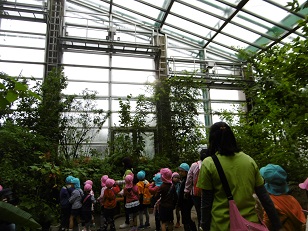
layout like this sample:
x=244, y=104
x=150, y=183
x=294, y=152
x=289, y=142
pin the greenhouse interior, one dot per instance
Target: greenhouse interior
x=85, y=83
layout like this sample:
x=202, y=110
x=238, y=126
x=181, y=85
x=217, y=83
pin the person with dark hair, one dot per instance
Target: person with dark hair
x=242, y=175
x=191, y=182
x=128, y=169
x=12, y=217
x=176, y=180
x=185, y=201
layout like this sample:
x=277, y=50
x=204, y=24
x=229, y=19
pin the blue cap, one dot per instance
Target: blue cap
x=275, y=178
x=184, y=167
x=157, y=179
x=141, y=175
x=69, y=179
x=76, y=183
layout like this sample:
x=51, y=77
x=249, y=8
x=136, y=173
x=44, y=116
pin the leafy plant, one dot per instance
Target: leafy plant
x=274, y=130
x=79, y=122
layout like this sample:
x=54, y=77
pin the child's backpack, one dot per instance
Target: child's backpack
x=197, y=191
x=64, y=202
x=86, y=203
x=145, y=195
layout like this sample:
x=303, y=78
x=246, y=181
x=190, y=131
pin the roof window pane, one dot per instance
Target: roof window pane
x=240, y=33
x=266, y=10
x=138, y=18
x=214, y=7
x=186, y=25
x=193, y=14
x=181, y=34
x=136, y=6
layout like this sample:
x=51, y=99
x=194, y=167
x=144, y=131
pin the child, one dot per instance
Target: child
x=289, y=209
x=185, y=202
x=65, y=194
x=144, y=198
x=168, y=197
x=87, y=201
x=90, y=182
x=102, y=217
x=176, y=182
x=109, y=201
x=153, y=188
x=132, y=201
x=76, y=201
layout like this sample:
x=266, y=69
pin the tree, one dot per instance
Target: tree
x=128, y=138
x=186, y=130
x=16, y=93
x=79, y=123
x=275, y=128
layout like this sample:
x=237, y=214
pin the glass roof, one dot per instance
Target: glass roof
x=218, y=26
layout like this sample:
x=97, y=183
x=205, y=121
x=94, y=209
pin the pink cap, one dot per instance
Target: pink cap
x=110, y=182
x=166, y=175
x=1, y=187
x=304, y=185
x=129, y=181
x=103, y=180
x=175, y=174
x=89, y=182
x=87, y=187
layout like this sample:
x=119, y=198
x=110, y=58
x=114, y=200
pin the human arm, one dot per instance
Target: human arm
x=207, y=199
x=190, y=179
x=93, y=199
x=269, y=208
x=120, y=182
x=73, y=197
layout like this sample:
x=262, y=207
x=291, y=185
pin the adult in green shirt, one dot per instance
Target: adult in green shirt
x=243, y=176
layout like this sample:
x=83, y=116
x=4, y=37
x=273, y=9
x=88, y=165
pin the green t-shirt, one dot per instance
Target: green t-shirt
x=243, y=176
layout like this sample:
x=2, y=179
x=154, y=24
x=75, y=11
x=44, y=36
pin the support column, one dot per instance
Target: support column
x=206, y=95
x=53, y=54
x=164, y=141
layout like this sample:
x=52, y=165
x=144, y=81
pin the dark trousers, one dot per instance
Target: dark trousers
x=157, y=221
x=109, y=219
x=126, y=212
x=197, y=204
x=189, y=224
x=65, y=217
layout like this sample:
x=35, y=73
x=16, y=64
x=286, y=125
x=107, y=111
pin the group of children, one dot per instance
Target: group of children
x=76, y=204
x=163, y=193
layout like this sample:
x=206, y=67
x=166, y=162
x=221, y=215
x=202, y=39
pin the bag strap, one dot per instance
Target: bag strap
x=68, y=191
x=85, y=199
x=143, y=187
x=222, y=177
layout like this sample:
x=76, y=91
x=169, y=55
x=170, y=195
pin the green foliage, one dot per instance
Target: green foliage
x=79, y=123
x=275, y=128
x=20, y=148
x=16, y=92
x=178, y=134
x=50, y=108
x=129, y=138
x=187, y=134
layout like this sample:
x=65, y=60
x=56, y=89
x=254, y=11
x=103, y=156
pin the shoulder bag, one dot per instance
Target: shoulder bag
x=237, y=222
